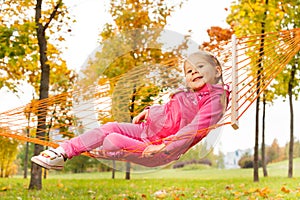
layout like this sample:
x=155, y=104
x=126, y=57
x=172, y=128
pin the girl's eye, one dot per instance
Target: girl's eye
x=189, y=71
x=200, y=66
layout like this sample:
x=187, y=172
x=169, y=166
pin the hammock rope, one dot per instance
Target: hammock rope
x=250, y=64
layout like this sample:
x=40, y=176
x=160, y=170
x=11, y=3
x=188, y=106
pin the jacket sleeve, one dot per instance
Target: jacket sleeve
x=208, y=115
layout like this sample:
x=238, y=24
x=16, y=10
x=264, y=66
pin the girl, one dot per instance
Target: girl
x=161, y=133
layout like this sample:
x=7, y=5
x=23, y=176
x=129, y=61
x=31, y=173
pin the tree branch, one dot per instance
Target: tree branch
x=53, y=14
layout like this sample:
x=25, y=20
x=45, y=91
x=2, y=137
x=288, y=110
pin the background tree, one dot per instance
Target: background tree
x=24, y=150
x=273, y=151
x=297, y=149
x=287, y=85
x=267, y=97
x=127, y=44
x=201, y=154
x=16, y=58
x=26, y=56
x=42, y=22
x=255, y=17
x=8, y=154
x=79, y=164
x=218, y=38
x=19, y=55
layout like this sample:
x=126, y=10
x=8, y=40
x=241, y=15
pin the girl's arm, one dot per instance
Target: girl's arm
x=208, y=115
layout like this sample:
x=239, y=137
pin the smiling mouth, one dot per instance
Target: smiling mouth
x=197, y=78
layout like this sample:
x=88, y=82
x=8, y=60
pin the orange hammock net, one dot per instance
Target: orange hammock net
x=250, y=65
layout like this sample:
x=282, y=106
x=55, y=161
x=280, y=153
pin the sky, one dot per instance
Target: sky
x=92, y=14
x=197, y=16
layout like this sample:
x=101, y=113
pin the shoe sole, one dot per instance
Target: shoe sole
x=45, y=165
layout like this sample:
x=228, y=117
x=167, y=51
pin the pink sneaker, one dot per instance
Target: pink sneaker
x=51, y=159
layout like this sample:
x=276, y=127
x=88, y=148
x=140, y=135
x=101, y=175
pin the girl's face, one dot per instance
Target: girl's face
x=198, y=72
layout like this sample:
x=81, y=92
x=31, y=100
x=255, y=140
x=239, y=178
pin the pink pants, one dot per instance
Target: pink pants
x=113, y=137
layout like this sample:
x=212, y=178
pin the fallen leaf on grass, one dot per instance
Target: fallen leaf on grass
x=237, y=194
x=203, y=189
x=5, y=188
x=285, y=190
x=177, y=196
x=228, y=187
x=264, y=192
x=59, y=184
x=144, y=196
x=252, y=190
x=160, y=194
x=91, y=192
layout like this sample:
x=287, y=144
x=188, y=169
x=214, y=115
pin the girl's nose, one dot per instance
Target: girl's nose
x=194, y=72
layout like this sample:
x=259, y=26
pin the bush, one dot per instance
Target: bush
x=181, y=164
x=246, y=161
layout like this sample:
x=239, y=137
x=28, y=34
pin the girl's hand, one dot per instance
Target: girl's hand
x=140, y=117
x=150, y=150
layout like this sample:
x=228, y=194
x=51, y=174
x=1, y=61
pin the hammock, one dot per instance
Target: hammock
x=250, y=64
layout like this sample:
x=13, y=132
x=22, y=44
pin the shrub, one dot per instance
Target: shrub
x=246, y=161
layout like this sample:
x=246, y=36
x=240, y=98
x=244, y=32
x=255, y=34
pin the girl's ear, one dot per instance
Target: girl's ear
x=218, y=71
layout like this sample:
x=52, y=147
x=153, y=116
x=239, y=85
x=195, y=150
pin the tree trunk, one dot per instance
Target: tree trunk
x=291, y=146
x=45, y=171
x=26, y=149
x=255, y=160
x=36, y=171
x=259, y=81
x=113, y=175
x=256, y=151
x=127, y=176
x=26, y=160
x=263, y=149
x=45, y=174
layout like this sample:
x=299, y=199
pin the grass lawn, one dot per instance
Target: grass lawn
x=186, y=183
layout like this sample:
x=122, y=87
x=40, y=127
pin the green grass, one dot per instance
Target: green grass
x=186, y=183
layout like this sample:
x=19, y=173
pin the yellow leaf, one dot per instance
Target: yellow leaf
x=59, y=184
x=264, y=192
x=237, y=194
x=5, y=188
x=252, y=190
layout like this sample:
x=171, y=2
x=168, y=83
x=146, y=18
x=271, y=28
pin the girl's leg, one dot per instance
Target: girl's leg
x=55, y=158
x=121, y=147
x=95, y=137
x=116, y=142
x=85, y=142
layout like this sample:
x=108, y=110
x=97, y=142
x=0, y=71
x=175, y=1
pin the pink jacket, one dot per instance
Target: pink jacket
x=182, y=122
